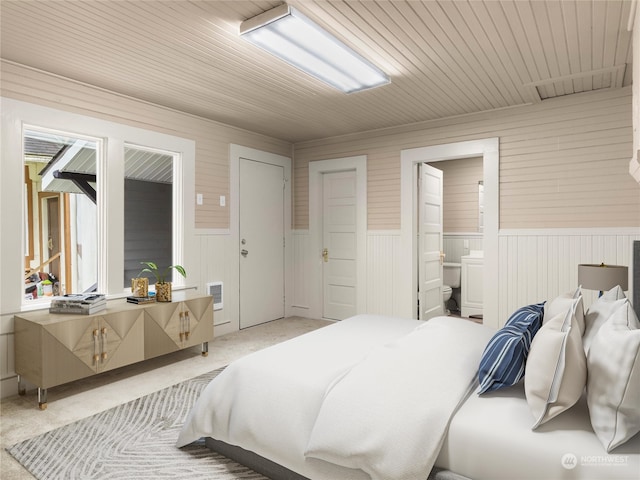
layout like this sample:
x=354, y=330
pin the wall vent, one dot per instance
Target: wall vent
x=215, y=290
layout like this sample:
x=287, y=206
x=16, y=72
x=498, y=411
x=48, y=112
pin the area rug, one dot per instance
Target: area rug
x=134, y=441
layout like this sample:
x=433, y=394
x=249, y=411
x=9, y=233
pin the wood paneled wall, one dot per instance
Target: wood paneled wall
x=212, y=138
x=460, y=193
x=563, y=162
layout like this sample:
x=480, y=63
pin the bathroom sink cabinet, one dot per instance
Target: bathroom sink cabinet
x=472, y=292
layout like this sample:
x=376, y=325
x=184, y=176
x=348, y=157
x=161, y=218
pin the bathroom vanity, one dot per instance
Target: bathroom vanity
x=471, y=292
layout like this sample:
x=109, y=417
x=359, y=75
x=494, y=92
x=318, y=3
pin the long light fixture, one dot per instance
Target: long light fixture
x=286, y=33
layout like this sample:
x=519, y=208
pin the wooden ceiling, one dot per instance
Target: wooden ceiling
x=444, y=57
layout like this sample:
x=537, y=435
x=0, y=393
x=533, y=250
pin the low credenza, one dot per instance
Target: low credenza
x=52, y=349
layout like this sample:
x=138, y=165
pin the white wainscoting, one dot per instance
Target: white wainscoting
x=537, y=265
x=534, y=265
x=219, y=263
x=383, y=271
x=454, y=246
x=302, y=258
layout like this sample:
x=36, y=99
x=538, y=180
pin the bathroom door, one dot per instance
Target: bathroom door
x=430, y=242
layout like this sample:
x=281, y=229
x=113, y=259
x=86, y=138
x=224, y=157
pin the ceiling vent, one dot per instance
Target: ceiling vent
x=603, y=78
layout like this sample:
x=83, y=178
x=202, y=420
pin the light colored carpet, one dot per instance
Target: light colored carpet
x=135, y=440
x=20, y=418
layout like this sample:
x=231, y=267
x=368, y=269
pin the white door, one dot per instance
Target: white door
x=430, y=242
x=339, y=228
x=261, y=207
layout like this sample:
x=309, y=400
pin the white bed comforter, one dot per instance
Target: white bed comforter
x=367, y=395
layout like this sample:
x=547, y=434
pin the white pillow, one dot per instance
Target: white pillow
x=613, y=388
x=562, y=303
x=556, y=370
x=598, y=313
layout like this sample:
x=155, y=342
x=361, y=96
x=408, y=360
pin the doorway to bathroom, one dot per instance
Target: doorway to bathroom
x=462, y=226
x=488, y=148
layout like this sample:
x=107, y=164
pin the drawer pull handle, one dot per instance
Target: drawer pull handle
x=96, y=357
x=104, y=344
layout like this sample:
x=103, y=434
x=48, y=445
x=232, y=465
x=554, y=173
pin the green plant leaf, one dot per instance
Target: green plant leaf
x=150, y=265
x=180, y=270
x=152, y=268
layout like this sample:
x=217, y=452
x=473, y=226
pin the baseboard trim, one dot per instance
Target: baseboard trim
x=9, y=386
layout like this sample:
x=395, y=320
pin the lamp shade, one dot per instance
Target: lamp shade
x=603, y=277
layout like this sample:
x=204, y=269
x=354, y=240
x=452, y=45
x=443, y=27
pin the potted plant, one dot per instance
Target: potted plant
x=163, y=288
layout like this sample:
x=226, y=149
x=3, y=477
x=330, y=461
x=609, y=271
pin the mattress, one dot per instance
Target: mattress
x=490, y=438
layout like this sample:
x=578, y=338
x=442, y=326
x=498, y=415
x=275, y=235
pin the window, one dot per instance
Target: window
x=148, y=209
x=72, y=227
x=61, y=228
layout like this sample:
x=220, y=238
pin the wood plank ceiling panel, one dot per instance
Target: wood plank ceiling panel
x=445, y=57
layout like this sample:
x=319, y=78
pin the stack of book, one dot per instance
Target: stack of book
x=141, y=300
x=78, y=303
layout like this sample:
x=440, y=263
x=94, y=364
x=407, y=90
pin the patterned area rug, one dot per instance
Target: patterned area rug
x=135, y=440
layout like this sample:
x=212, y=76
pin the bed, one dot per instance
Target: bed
x=385, y=398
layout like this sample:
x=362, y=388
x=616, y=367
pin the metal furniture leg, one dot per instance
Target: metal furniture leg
x=22, y=389
x=205, y=349
x=42, y=398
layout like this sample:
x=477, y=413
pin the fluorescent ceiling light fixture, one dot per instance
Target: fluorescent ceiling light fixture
x=286, y=33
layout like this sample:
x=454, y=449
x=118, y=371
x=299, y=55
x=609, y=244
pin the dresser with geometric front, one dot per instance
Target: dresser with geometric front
x=52, y=349
x=173, y=326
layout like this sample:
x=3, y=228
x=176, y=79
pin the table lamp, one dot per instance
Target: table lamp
x=603, y=277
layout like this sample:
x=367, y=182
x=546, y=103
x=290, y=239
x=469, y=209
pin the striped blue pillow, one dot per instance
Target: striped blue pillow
x=505, y=356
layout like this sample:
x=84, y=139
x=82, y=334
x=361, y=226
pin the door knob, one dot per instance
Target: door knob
x=244, y=252
x=325, y=254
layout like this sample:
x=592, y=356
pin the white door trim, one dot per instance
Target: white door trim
x=487, y=148
x=235, y=153
x=316, y=170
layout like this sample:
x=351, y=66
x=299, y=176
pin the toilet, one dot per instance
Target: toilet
x=450, y=280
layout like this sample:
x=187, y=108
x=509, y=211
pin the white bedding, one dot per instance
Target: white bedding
x=351, y=393
x=490, y=438
x=238, y=406
x=388, y=415
x=296, y=377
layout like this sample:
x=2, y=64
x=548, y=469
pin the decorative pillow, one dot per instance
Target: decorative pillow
x=613, y=389
x=598, y=313
x=556, y=370
x=561, y=303
x=505, y=356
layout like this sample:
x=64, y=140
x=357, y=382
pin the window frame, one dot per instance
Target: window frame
x=177, y=253
x=18, y=115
